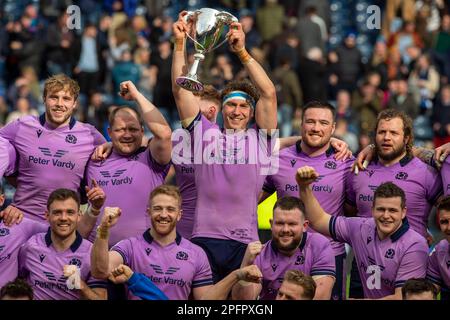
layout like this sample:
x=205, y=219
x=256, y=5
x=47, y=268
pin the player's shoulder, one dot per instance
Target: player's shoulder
x=83, y=126
x=35, y=241
x=28, y=120
x=413, y=241
x=442, y=246
x=316, y=240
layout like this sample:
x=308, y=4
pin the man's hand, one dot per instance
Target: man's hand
x=343, y=152
x=128, y=91
x=11, y=215
x=180, y=28
x=236, y=37
x=441, y=153
x=252, y=251
x=121, y=274
x=96, y=196
x=110, y=217
x=363, y=159
x=102, y=152
x=250, y=273
x=305, y=176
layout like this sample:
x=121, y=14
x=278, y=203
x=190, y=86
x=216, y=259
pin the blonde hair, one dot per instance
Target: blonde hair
x=61, y=82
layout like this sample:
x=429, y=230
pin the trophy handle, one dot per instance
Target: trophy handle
x=186, y=18
x=228, y=19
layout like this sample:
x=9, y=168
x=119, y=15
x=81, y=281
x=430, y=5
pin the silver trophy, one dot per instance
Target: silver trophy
x=207, y=28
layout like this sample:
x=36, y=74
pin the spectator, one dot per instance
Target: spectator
x=252, y=36
x=124, y=70
x=342, y=132
x=269, y=19
x=312, y=74
x=345, y=111
x=366, y=104
x=403, y=100
x=441, y=117
x=424, y=81
x=310, y=32
x=22, y=109
x=60, y=55
x=405, y=38
x=350, y=66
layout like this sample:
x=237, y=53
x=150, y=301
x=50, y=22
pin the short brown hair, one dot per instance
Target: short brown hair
x=243, y=85
x=320, y=105
x=390, y=190
x=168, y=190
x=444, y=204
x=306, y=282
x=389, y=114
x=290, y=203
x=209, y=93
x=61, y=82
x=113, y=113
x=418, y=286
x=61, y=195
x=17, y=289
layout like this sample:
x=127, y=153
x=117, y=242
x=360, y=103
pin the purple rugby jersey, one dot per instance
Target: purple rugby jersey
x=329, y=188
x=127, y=182
x=445, y=174
x=185, y=179
x=11, y=239
x=439, y=265
x=7, y=158
x=43, y=267
x=420, y=182
x=175, y=269
x=396, y=259
x=48, y=159
x=227, y=191
x=314, y=257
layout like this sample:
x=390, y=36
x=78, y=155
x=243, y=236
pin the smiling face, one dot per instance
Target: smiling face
x=236, y=114
x=287, y=229
x=164, y=212
x=388, y=214
x=63, y=217
x=59, y=107
x=126, y=132
x=317, y=127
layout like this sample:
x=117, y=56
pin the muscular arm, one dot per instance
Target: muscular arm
x=92, y=294
x=324, y=287
x=186, y=102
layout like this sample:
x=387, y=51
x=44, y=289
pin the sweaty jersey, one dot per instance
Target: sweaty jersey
x=175, y=269
x=329, y=188
x=7, y=158
x=439, y=265
x=48, y=159
x=228, y=176
x=420, y=182
x=383, y=265
x=43, y=267
x=11, y=239
x=313, y=257
x=127, y=182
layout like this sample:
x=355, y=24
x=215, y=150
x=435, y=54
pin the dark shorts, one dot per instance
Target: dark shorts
x=338, y=292
x=356, y=288
x=224, y=256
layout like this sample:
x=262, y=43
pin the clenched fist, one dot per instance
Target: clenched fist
x=253, y=249
x=305, y=176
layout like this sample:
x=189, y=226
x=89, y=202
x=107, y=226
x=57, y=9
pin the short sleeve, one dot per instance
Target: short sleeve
x=22, y=260
x=433, y=273
x=125, y=249
x=413, y=264
x=9, y=131
x=203, y=275
x=94, y=282
x=433, y=185
x=342, y=228
x=350, y=194
x=324, y=263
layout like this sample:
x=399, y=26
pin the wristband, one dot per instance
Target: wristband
x=93, y=213
x=244, y=56
x=102, y=233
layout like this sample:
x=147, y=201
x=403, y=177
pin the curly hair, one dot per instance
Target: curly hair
x=408, y=131
x=61, y=82
x=243, y=85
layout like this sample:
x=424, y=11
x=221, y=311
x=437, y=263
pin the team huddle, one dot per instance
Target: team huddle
x=142, y=238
